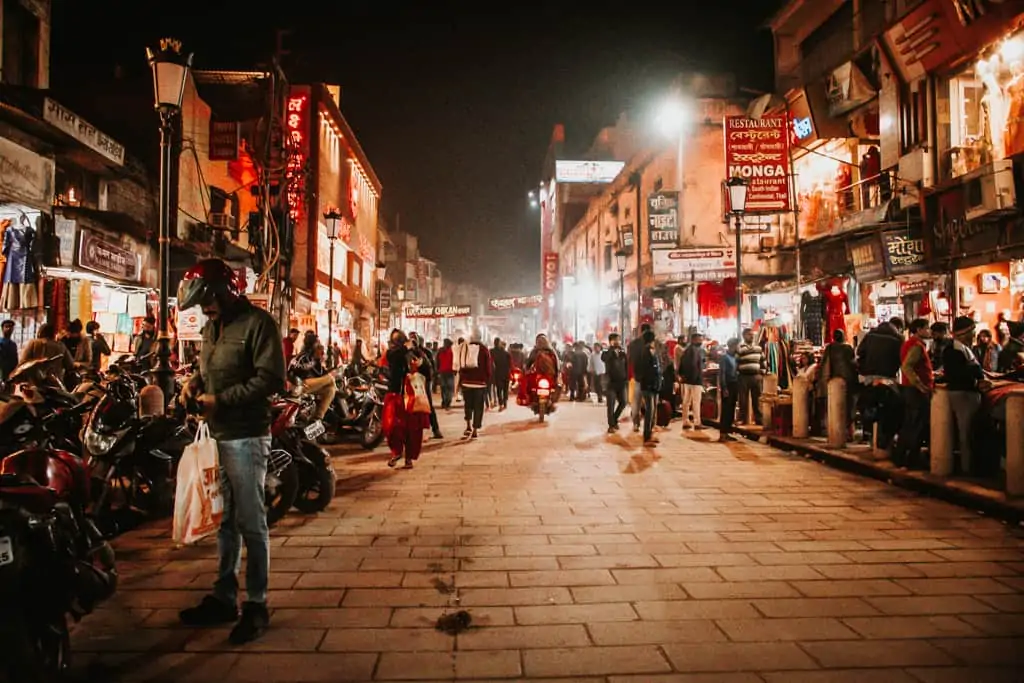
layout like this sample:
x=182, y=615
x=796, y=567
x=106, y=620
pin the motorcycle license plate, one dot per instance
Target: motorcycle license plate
x=6, y=551
x=315, y=430
x=543, y=393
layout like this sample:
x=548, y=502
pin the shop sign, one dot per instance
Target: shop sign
x=190, y=324
x=626, y=236
x=64, y=228
x=587, y=171
x=687, y=264
x=493, y=320
x=101, y=256
x=848, y=88
x=445, y=311
x=259, y=300
x=550, y=274
x=758, y=150
x=71, y=123
x=903, y=253
x=297, y=128
x=384, y=298
x=25, y=176
x=663, y=219
x=510, y=302
x=948, y=231
x=225, y=139
x=868, y=262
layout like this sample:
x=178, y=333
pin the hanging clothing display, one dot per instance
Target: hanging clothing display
x=812, y=314
x=774, y=342
x=837, y=305
x=20, y=286
x=711, y=301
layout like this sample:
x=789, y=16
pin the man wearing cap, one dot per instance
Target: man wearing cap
x=965, y=380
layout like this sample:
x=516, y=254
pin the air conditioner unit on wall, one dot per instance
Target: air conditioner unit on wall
x=915, y=172
x=224, y=221
x=990, y=190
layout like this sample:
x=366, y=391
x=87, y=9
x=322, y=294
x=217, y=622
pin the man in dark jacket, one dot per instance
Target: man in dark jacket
x=618, y=376
x=502, y=369
x=648, y=378
x=145, y=342
x=240, y=367
x=691, y=376
x=878, y=355
x=633, y=353
x=8, y=350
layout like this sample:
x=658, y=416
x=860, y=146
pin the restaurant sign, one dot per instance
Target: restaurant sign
x=415, y=311
x=904, y=253
x=101, y=256
x=550, y=274
x=510, y=302
x=71, y=123
x=758, y=150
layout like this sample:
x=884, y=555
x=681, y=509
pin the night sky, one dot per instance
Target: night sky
x=453, y=103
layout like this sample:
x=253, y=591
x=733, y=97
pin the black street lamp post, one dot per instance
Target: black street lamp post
x=170, y=73
x=737, y=207
x=620, y=262
x=331, y=217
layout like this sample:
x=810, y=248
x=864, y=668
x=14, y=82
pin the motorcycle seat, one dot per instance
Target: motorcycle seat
x=60, y=472
x=25, y=492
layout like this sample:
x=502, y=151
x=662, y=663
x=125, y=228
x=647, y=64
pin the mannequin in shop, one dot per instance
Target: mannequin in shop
x=812, y=314
x=837, y=305
x=20, y=288
x=774, y=342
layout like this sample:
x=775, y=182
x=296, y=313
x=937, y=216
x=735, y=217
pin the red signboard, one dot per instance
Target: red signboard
x=550, y=274
x=758, y=150
x=297, y=124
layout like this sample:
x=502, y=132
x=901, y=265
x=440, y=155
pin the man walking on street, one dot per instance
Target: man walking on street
x=648, y=379
x=474, y=366
x=446, y=372
x=502, y=369
x=750, y=360
x=616, y=377
x=691, y=374
x=240, y=367
x=633, y=353
x=728, y=383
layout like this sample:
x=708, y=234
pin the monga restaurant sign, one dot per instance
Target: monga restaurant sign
x=510, y=302
x=758, y=150
x=414, y=311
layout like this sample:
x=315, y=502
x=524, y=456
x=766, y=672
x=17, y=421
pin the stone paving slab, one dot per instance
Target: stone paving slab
x=586, y=558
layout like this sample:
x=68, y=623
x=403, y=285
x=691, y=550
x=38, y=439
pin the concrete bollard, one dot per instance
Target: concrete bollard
x=940, y=450
x=1015, y=444
x=801, y=408
x=837, y=429
x=771, y=385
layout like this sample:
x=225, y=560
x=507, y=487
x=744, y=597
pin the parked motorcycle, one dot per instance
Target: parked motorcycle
x=299, y=472
x=132, y=460
x=357, y=409
x=54, y=562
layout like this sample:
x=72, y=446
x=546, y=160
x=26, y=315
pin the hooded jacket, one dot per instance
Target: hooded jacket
x=879, y=353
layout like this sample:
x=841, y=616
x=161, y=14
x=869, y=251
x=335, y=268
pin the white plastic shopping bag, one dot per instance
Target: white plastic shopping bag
x=198, y=503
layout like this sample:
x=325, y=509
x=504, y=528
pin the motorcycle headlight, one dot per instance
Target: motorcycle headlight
x=100, y=444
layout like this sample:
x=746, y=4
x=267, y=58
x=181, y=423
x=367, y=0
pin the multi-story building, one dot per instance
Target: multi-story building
x=75, y=207
x=328, y=170
x=417, y=285
x=684, y=250
x=907, y=156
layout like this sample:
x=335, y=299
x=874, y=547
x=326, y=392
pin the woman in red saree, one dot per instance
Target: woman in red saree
x=403, y=428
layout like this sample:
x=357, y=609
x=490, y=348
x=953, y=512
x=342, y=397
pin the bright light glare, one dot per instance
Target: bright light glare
x=531, y=194
x=672, y=116
x=533, y=204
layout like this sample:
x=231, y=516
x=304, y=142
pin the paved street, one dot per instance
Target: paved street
x=582, y=557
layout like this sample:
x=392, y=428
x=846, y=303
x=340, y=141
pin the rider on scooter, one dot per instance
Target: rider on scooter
x=542, y=362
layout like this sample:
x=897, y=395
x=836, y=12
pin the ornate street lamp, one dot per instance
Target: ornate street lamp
x=620, y=263
x=737, y=187
x=331, y=217
x=170, y=73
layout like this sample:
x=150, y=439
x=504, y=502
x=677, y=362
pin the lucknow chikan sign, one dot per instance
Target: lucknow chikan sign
x=414, y=311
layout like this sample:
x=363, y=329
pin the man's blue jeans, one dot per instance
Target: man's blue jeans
x=447, y=389
x=243, y=474
x=650, y=401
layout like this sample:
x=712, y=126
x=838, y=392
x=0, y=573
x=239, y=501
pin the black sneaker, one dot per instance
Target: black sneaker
x=466, y=434
x=210, y=612
x=253, y=624
x=438, y=435
x=473, y=435
x=612, y=430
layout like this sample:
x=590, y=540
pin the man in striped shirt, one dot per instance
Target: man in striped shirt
x=751, y=366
